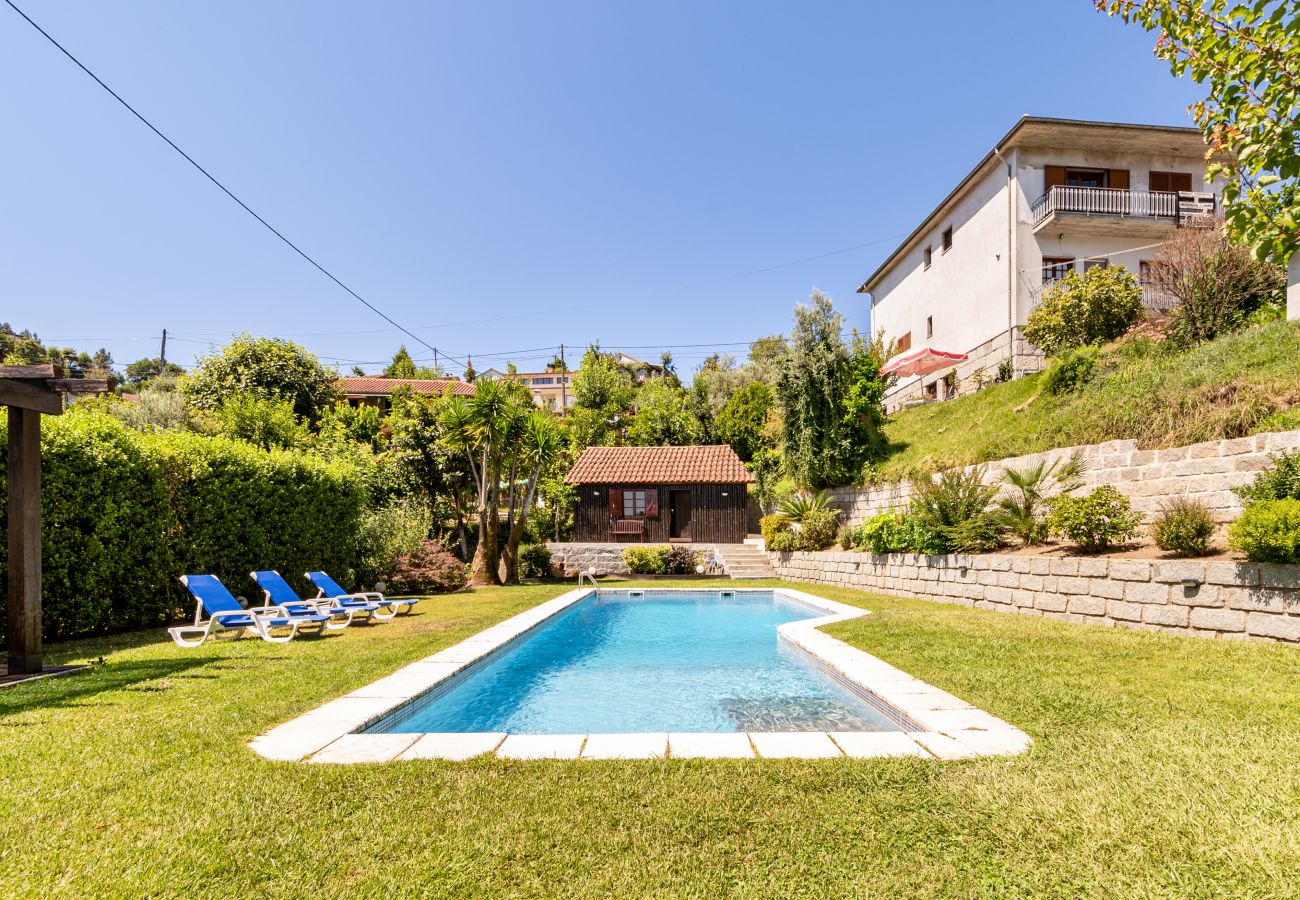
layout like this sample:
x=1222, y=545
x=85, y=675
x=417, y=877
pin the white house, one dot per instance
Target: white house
x=1052, y=195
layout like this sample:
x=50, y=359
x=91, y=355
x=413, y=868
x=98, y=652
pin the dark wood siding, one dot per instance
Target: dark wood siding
x=714, y=518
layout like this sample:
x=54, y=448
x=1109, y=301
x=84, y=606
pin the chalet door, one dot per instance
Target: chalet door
x=679, y=515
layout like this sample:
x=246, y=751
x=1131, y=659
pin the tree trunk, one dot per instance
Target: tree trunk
x=483, y=569
x=517, y=530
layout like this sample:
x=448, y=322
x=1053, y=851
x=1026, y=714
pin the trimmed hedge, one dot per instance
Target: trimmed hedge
x=126, y=513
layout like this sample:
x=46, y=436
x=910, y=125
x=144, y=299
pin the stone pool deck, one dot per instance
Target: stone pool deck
x=934, y=723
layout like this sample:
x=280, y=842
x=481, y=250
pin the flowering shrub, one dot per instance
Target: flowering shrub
x=427, y=570
x=1094, y=521
x=1184, y=527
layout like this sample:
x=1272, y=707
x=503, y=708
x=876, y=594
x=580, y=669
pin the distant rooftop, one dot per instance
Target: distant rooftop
x=377, y=386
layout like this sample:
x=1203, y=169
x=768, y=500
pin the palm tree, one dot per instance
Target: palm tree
x=539, y=444
x=1021, y=510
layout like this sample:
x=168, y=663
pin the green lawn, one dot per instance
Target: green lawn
x=1163, y=767
x=1237, y=385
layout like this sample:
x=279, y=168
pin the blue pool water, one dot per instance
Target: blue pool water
x=666, y=661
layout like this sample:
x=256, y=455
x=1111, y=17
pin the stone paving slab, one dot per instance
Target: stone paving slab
x=625, y=746
x=355, y=748
x=453, y=746
x=794, y=744
x=868, y=744
x=688, y=745
x=541, y=746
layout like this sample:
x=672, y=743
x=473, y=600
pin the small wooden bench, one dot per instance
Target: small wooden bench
x=628, y=526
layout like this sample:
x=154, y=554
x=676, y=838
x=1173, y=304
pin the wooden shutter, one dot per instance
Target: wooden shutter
x=651, y=503
x=1160, y=181
x=1119, y=179
x=616, y=503
x=1180, y=181
x=1054, y=175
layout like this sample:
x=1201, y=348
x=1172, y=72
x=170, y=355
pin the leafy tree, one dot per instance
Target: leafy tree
x=470, y=374
x=663, y=416
x=602, y=394
x=864, y=405
x=512, y=369
x=358, y=371
x=1218, y=284
x=271, y=368
x=536, y=451
x=1248, y=56
x=344, y=424
x=145, y=370
x=742, y=420
x=1096, y=307
x=420, y=446
x=262, y=421
x=402, y=365
x=825, y=441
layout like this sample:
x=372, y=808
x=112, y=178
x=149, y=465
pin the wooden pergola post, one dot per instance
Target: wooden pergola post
x=29, y=391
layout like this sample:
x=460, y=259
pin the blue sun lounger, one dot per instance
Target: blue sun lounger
x=389, y=606
x=279, y=593
x=225, y=613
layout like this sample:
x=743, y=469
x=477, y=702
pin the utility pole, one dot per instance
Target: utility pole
x=436, y=370
x=564, y=384
x=162, y=355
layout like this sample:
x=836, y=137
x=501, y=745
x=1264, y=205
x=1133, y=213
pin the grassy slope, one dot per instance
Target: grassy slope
x=1163, y=767
x=1223, y=389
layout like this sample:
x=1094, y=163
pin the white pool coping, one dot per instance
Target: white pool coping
x=940, y=725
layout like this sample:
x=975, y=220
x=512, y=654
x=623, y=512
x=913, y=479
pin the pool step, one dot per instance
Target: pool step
x=745, y=561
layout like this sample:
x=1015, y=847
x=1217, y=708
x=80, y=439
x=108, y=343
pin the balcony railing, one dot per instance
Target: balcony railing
x=1106, y=202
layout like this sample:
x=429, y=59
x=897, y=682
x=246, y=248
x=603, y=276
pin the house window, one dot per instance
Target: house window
x=1087, y=178
x=1056, y=267
x=929, y=256
x=633, y=503
x=1170, y=181
x=1095, y=264
x=929, y=327
x=947, y=239
x=904, y=343
x=932, y=391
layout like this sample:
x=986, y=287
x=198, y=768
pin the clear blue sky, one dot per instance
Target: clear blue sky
x=575, y=171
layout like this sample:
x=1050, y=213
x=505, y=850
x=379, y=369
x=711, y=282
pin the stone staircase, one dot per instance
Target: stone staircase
x=745, y=560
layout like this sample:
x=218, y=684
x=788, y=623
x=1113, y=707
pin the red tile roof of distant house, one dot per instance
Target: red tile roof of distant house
x=713, y=464
x=375, y=386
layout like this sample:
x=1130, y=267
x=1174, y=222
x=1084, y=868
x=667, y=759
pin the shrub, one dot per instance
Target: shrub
x=1094, y=521
x=646, y=560
x=388, y=533
x=1006, y=371
x=260, y=421
x=817, y=530
x=784, y=542
x=1071, y=370
x=1268, y=531
x=771, y=526
x=1093, y=308
x=848, y=537
x=798, y=507
x=428, y=570
x=1278, y=482
x=1184, y=527
x=680, y=561
x=534, y=561
x=896, y=533
x=1021, y=509
x=955, y=506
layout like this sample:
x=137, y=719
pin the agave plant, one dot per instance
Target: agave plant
x=798, y=507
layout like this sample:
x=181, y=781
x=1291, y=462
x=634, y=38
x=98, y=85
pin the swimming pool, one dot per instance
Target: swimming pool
x=659, y=673
x=650, y=661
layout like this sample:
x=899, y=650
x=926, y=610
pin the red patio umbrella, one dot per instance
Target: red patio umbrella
x=922, y=361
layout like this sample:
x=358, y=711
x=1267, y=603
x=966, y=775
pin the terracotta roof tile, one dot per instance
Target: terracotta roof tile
x=374, y=386
x=715, y=464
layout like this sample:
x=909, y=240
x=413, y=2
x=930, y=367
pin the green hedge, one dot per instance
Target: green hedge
x=125, y=513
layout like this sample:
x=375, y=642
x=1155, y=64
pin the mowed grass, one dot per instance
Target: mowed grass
x=1227, y=388
x=1162, y=766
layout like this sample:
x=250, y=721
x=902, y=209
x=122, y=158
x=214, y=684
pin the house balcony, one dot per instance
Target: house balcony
x=1109, y=211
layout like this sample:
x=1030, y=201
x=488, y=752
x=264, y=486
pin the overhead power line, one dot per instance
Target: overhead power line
x=269, y=227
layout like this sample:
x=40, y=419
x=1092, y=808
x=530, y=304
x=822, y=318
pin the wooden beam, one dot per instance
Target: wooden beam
x=46, y=370
x=24, y=636
x=23, y=395
x=78, y=385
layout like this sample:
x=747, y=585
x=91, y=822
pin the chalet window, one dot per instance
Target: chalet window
x=929, y=327
x=1056, y=267
x=1170, y=181
x=633, y=504
x=929, y=256
x=904, y=343
x=947, y=239
x=1087, y=178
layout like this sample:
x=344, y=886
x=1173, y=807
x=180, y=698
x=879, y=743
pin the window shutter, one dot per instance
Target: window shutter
x=651, y=504
x=1160, y=181
x=616, y=503
x=1180, y=181
x=1119, y=179
x=1054, y=176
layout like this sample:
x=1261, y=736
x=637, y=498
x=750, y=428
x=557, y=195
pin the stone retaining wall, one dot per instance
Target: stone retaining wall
x=607, y=558
x=1206, y=472
x=1228, y=599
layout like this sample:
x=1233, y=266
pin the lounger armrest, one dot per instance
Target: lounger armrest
x=278, y=612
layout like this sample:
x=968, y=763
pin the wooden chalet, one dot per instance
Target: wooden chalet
x=660, y=494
